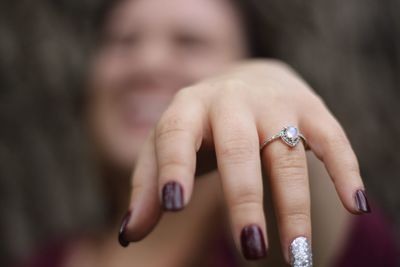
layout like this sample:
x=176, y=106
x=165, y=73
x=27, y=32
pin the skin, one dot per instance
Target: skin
x=148, y=55
x=206, y=108
x=164, y=86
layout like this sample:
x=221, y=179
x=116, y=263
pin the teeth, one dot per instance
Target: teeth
x=300, y=253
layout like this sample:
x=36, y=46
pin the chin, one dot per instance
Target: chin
x=120, y=153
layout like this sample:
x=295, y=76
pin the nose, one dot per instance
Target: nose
x=154, y=58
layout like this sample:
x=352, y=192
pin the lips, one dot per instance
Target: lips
x=142, y=110
x=140, y=99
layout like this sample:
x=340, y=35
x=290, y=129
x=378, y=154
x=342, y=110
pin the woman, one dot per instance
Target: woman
x=174, y=76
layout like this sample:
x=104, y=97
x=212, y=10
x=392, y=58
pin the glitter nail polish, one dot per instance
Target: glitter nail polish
x=300, y=252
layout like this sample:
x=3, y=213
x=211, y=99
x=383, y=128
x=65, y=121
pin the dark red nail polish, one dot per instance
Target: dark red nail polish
x=121, y=235
x=252, y=241
x=172, y=196
x=362, y=202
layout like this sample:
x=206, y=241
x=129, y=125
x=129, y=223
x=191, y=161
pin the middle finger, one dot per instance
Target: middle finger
x=237, y=149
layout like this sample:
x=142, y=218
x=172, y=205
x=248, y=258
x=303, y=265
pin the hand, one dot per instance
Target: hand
x=234, y=113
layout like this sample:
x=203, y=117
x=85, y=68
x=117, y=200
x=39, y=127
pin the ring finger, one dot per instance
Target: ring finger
x=286, y=167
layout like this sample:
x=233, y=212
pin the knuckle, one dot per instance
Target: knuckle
x=294, y=182
x=338, y=144
x=189, y=101
x=290, y=171
x=169, y=126
x=173, y=162
x=351, y=165
x=297, y=217
x=237, y=150
x=246, y=199
x=292, y=165
x=184, y=94
x=232, y=86
x=337, y=141
x=234, y=83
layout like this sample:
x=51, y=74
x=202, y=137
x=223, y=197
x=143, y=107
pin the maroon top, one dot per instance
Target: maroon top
x=370, y=243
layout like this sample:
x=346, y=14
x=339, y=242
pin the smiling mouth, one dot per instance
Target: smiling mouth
x=141, y=112
x=140, y=103
x=132, y=120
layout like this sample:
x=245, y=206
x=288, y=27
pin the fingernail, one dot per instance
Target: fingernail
x=121, y=235
x=362, y=202
x=300, y=252
x=172, y=196
x=252, y=241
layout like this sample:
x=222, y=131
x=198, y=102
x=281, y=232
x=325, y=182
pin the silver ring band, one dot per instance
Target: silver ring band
x=290, y=135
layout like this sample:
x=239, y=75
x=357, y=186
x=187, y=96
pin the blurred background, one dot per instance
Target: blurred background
x=348, y=51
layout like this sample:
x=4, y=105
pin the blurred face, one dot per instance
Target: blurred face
x=152, y=49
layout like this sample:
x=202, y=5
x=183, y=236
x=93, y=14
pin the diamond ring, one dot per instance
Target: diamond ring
x=290, y=135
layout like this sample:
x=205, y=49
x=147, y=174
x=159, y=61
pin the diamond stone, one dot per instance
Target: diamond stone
x=292, y=132
x=290, y=135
